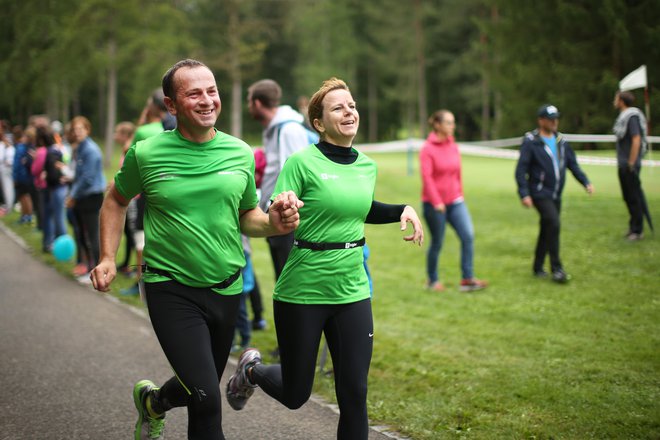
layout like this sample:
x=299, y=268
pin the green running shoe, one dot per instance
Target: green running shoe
x=147, y=427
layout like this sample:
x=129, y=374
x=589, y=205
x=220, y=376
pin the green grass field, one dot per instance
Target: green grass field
x=526, y=358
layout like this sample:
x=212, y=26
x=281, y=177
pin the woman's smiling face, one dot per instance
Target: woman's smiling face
x=341, y=119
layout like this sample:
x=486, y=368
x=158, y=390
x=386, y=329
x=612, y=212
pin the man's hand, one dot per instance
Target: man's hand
x=440, y=207
x=410, y=216
x=590, y=189
x=526, y=201
x=283, y=212
x=103, y=274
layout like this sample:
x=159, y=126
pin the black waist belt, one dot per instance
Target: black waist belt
x=327, y=246
x=221, y=285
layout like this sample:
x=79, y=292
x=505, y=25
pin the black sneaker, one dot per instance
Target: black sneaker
x=259, y=324
x=559, y=276
x=540, y=274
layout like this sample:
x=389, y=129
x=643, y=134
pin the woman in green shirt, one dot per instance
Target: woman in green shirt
x=323, y=287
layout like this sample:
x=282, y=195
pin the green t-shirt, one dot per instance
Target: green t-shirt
x=147, y=130
x=337, y=200
x=193, y=192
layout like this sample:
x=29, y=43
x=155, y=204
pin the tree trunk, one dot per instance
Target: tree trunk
x=485, y=89
x=65, y=98
x=111, y=116
x=372, y=99
x=235, y=70
x=421, y=68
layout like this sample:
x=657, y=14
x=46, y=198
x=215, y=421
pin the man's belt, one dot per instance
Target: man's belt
x=221, y=285
x=304, y=244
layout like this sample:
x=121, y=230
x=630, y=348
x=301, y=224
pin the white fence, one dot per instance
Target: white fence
x=496, y=148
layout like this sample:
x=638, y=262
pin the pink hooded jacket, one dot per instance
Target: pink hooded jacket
x=441, y=171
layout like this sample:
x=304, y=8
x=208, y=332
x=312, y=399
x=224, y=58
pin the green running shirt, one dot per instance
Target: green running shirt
x=147, y=130
x=194, y=191
x=337, y=200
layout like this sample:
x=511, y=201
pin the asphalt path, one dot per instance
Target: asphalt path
x=69, y=357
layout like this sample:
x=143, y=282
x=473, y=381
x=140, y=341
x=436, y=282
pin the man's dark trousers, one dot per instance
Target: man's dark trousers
x=548, y=241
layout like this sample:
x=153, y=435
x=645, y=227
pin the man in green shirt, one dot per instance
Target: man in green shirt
x=200, y=192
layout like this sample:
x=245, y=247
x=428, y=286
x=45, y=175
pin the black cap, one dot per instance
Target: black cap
x=549, y=111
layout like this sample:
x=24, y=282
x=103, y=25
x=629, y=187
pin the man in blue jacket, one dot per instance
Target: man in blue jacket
x=541, y=175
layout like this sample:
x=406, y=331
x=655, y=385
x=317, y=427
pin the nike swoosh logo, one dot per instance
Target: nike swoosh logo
x=371, y=335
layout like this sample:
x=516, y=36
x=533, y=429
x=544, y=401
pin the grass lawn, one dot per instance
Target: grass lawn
x=525, y=358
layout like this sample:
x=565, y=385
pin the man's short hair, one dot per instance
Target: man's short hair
x=267, y=91
x=169, y=88
x=627, y=97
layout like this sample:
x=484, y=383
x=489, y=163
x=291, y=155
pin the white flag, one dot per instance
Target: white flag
x=634, y=80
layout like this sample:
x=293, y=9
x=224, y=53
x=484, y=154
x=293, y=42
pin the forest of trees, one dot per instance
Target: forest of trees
x=492, y=62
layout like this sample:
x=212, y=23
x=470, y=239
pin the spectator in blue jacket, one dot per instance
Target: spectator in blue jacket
x=87, y=189
x=541, y=175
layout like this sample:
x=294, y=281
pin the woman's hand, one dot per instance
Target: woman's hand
x=410, y=216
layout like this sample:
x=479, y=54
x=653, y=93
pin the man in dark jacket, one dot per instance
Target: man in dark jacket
x=630, y=130
x=541, y=175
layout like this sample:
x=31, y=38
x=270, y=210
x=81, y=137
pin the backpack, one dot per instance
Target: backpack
x=312, y=136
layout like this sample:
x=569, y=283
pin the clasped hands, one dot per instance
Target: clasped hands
x=283, y=212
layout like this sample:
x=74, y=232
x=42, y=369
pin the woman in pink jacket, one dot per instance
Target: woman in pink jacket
x=442, y=195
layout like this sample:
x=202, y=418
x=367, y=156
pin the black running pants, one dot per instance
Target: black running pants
x=195, y=327
x=348, y=330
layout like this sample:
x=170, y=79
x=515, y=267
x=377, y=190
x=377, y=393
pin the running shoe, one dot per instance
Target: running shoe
x=436, y=286
x=472, y=285
x=80, y=269
x=25, y=220
x=559, y=276
x=147, y=427
x=259, y=324
x=239, y=388
x=540, y=273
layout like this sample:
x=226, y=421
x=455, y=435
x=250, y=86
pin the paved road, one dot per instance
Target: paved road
x=69, y=357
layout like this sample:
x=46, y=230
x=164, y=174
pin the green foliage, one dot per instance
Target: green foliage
x=492, y=62
x=571, y=54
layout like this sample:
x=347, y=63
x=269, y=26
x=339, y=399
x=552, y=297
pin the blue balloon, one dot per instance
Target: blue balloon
x=63, y=248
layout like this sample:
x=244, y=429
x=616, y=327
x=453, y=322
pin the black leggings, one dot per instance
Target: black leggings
x=349, y=330
x=195, y=327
